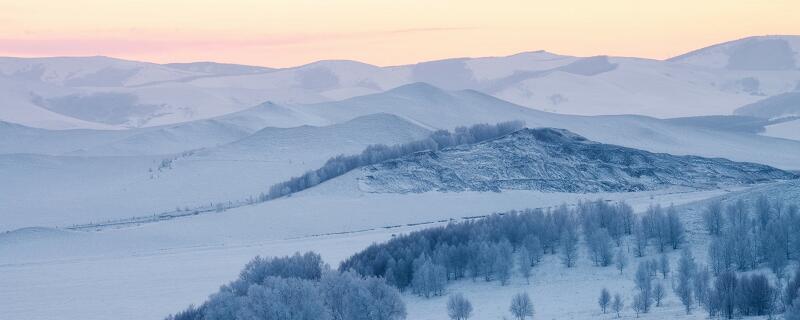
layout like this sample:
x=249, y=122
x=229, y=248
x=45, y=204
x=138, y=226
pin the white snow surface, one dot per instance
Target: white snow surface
x=787, y=130
x=165, y=266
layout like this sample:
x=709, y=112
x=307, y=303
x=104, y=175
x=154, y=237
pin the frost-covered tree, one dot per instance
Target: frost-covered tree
x=675, y=230
x=712, y=218
x=659, y=292
x=503, y=261
x=621, y=260
x=700, y=287
x=763, y=211
x=307, y=266
x=657, y=228
x=639, y=239
x=190, y=313
x=521, y=306
x=569, y=244
x=458, y=307
x=684, y=288
x=617, y=304
x=534, y=247
x=652, y=267
x=599, y=245
x=429, y=279
x=755, y=296
x=663, y=265
x=644, y=287
x=348, y=296
x=775, y=245
x=524, y=265
x=283, y=298
x=725, y=293
x=604, y=300
x=639, y=304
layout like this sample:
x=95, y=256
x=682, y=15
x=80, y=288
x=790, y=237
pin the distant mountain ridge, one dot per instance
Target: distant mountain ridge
x=559, y=161
x=109, y=93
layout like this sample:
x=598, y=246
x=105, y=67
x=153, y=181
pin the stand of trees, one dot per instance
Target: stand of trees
x=744, y=238
x=374, y=154
x=485, y=248
x=299, y=287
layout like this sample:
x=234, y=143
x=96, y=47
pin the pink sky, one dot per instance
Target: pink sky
x=287, y=33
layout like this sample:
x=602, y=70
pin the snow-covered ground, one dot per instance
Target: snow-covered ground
x=786, y=130
x=82, y=189
x=167, y=265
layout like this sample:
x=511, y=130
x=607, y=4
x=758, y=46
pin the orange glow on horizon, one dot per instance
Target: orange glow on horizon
x=288, y=33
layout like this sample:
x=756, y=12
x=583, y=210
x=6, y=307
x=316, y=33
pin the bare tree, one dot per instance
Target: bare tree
x=663, y=265
x=458, y=307
x=712, y=217
x=521, y=306
x=684, y=288
x=604, y=300
x=639, y=239
x=569, y=245
x=658, y=293
x=617, y=305
x=621, y=260
x=644, y=285
x=525, y=264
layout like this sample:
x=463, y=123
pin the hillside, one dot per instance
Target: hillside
x=82, y=189
x=777, y=52
x=556, y=161
x=782, y=105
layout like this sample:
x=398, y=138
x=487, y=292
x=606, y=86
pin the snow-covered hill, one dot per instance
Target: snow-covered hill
x=778, y=52
x=554, y=160
x=81, y=189
x=778, y=106
x=436, y=108
x=787, y=130
x=101, y=92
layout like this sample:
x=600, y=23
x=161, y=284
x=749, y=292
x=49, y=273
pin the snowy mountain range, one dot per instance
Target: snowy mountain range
x=107, y=93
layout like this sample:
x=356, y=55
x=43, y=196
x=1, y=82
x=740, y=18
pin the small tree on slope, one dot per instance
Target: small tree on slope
x=604, y=300
x=521, y=306
x=458, y=307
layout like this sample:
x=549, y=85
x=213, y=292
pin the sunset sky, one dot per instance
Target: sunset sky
x=287, y=33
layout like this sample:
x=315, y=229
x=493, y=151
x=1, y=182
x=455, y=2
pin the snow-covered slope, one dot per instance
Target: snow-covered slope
x=436, y=108
x=168, y=265
x=101, y=92
x=82, y=189
x=159, y=140
x=554, y=160
x=778, y=106
x=779, y=52
x=787, y=130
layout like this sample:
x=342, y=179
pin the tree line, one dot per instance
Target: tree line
x=489, y=248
